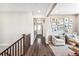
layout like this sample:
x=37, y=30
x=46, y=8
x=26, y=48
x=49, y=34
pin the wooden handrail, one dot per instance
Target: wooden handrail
x=19, y=48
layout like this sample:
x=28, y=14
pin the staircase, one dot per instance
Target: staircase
x=22, y=47
x=19, y=48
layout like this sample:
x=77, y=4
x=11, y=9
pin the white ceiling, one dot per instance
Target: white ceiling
x=66, y=8
x=24, y=7
x=61, y=8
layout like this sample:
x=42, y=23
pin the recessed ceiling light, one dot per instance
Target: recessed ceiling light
x=38, y=11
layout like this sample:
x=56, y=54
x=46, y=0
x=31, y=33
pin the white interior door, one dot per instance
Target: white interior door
x=39, y=28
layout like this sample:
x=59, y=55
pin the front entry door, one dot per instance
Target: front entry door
x=39, y=29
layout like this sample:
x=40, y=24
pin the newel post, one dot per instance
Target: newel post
x=24, y=40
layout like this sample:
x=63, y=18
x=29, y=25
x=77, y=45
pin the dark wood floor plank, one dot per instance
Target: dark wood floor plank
x=39, y=49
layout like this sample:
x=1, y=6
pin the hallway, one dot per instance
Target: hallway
x=39, y=48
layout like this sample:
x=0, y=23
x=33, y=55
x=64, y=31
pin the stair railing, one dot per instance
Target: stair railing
x=19, y=48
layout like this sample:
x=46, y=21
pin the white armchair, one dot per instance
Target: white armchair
x=58, y=40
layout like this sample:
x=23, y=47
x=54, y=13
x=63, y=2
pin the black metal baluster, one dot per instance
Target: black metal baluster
x=13, y=50
x=18, y=48
x=2, y=54
x=10, y=51
x=7, y=52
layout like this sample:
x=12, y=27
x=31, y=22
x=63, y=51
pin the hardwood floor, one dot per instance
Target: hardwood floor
x=39, y=48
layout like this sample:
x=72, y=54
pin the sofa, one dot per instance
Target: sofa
x=58, y=40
